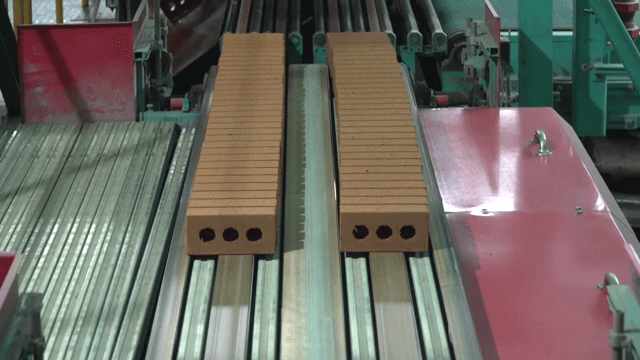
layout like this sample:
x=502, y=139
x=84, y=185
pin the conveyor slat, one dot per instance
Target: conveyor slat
x=132, y=334
x=395, y=323
x=312, y=309
x=196, y=313
x=164, y=333
x=228, y=331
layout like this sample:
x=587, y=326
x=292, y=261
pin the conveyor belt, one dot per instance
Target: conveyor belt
x=91, y=207
x=307, y=300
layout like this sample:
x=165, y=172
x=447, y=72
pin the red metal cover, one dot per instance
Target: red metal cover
x=530, y=261
x=9, y=265
x=77, y=73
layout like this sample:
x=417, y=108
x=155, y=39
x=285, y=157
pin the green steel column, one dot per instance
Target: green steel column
x=588, y=96
x=535, y=74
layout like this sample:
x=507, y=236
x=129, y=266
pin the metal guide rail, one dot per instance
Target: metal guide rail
x=90, y=207
x=307, y=300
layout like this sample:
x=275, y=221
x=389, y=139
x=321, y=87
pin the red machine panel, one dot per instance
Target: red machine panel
x=529, y=260
x=486, y=160
x=9, y=265
x=77, y=73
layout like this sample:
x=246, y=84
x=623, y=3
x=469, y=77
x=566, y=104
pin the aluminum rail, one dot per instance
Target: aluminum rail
x=460, y=322
x=196, y=311
x=438, y=36
x=257, y=13
x=394, y=313
x=414, y=37
x=163, y=337
x=333, y=19
x=227, y=335
x=319, y=36
x=312, y=309
x=372, y=16
x=230, y=20
x=281, y=17
x=244, y=12
x=385, y=20
x=358, y=16
x=136, y=320
x=295, y=30
x=362, y=332
x=268, y=25
x=431, y=320
x=345, y=16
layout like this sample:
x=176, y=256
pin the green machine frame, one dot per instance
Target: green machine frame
x=606, y=64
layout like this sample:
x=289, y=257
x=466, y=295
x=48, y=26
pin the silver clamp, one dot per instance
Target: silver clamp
x=541, y=138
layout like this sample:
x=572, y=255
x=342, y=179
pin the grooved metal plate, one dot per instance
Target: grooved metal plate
x=89, y=208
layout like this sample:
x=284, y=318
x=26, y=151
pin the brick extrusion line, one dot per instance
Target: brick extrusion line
x=383, y=198
x=235, y=199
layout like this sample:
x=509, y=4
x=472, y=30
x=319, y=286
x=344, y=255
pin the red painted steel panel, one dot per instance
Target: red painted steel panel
x=530, y=263
x=531, y=280
x=483, y=159
x=9, y=265
x=77, y=73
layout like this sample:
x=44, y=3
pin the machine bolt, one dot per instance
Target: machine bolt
x=579, y=210
x=485, y=211
x=588, y=11
x=585, y=67
x=629, y=88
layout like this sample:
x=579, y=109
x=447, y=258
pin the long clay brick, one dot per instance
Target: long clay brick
x=235, y=198
x=383, y=199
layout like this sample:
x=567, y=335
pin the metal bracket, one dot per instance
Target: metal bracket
x=541, y=138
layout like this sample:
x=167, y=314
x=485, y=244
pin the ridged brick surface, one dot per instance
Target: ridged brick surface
x=383, y=198
x=235, y=198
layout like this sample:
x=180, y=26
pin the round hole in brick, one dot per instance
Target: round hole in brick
x=230, y=234
x=407, y=232
x=384, y=232
x=207, y=234
x=254, y=234
x=360, y=232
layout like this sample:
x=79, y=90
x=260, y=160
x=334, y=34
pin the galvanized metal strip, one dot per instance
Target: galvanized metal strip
x=8, y=132
x=162, y=340
x=312, y=312
x=196, y=314
x=27, y=187
x=427, y=302
x=228, y=331
x=99, y=265
x=345, y=16
x=114, y=253
x=74, y=279
x=266, y=305
x=126, y=273
x=358, y=16
x=361, y=326
x=19, y=164
x=460, y=323
x=58, y=216
x=395, y=322
x=139, y=310
x=23, y=225
x=243, y=16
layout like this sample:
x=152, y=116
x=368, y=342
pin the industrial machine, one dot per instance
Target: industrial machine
x=521, y=120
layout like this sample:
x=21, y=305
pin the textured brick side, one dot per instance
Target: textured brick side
x=383, y=199
x=235, y=198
